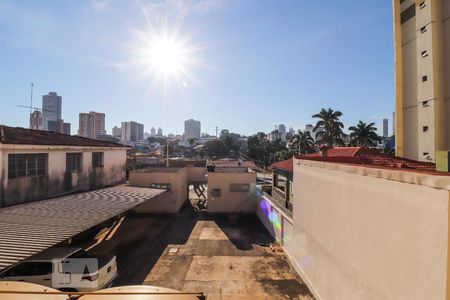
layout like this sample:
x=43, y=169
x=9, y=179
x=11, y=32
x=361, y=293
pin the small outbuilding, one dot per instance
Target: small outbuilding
x=36, y=164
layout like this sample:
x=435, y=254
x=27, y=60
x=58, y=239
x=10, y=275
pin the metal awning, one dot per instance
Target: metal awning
x=29, y=228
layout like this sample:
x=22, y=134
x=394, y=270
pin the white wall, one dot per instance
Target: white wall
x=231, y=201
x=365, y=233
x=59, y=182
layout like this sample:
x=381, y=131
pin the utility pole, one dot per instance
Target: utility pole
x=217, y=130
x=167, y=154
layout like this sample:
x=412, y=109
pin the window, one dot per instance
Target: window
x=27, y=165
x=215, y=192
x=424, y=78
x=238, y=187
x=422, y=5
x=424, y=53
x=97, y=159
x=425, y=128
x=73, y=162
x=425, y=103
x=423, y=29
x=30, y=269
x=408, y=13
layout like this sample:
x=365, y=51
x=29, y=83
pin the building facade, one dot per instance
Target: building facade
x=59, y=126
x=51, y=108
x=37, y=165
x=36, y=120
x=91, y=125
x=131, y=132
x=192, y=129
x=385, y=128
x=422, y=62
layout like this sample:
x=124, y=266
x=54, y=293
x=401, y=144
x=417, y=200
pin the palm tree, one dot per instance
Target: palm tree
x=364, y=135
x=304, y=142
x=329, y=126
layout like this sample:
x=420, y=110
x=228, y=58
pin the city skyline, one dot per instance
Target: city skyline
x=323, y=65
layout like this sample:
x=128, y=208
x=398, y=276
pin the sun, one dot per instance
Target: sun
x=166, y=56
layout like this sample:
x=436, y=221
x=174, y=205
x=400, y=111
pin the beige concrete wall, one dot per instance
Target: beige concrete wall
x=169, y=202
x=59, y=182
x=364, y=233
x=231, y=201
x=196, y=173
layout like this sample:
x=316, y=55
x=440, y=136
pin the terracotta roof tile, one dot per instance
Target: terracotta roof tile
x=23, y=136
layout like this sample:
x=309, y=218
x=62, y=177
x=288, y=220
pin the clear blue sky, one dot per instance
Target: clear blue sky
x=260, y=62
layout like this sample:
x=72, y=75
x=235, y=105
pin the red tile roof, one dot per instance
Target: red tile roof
x=369, y=157
x=285, y=165
x=23, y=136
x=362, y=156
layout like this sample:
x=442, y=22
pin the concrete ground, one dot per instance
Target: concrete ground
x=223, y=256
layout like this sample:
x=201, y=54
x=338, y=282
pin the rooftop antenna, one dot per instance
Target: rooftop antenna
x=217, y=129
x=31, y=97
x=31, y=106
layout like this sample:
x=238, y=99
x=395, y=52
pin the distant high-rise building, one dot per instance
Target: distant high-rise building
x=36, y=120
x=153, y=131
x=91, y=125
x=422, y=72
x=393, y=123
x=116, y=132
x=160, y=132
x=51, y=108
x=192, y=129
x=140, y=131
x=385, y=128
x=282, y=130
x=292, y=131
x=131, y=131
x=59, y=126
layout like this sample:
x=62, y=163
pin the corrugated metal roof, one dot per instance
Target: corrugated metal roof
x=29, y=228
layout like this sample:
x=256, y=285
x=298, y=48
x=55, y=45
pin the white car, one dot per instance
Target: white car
x=43, y=267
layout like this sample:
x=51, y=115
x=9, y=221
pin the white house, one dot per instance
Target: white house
x=38, y=164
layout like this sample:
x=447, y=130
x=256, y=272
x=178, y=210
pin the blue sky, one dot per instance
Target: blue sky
x=259, y=63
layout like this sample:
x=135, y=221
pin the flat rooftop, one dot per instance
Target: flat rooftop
x=225, y=256
x=29, y=228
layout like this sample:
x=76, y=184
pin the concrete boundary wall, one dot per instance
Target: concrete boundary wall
x=366, y=233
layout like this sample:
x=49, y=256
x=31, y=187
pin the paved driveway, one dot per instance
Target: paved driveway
x=223, y=256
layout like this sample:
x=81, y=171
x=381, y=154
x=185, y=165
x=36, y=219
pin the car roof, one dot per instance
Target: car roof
x=54, y=253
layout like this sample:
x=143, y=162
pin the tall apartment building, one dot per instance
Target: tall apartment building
x=36, y=120
x=91, y=125
x=51, y=108
x=160, y=132
x=131, y=131
x=422, y=63
x=59, y=126
x=116, y=132
x=385, y=128
x=282, y=129
x=192, y=129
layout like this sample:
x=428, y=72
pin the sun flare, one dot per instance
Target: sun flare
x=167, y=56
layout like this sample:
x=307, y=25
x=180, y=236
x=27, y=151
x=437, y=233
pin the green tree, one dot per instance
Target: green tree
x=303, y=142
x=364, y=135
x=329, y=126
x=191, y=141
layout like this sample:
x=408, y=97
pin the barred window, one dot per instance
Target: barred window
x=27, y=165
x=238, y=187
x=97, y=159
x=73, y=162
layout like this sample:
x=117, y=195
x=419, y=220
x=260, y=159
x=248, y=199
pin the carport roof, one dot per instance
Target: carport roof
x=29, y=228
